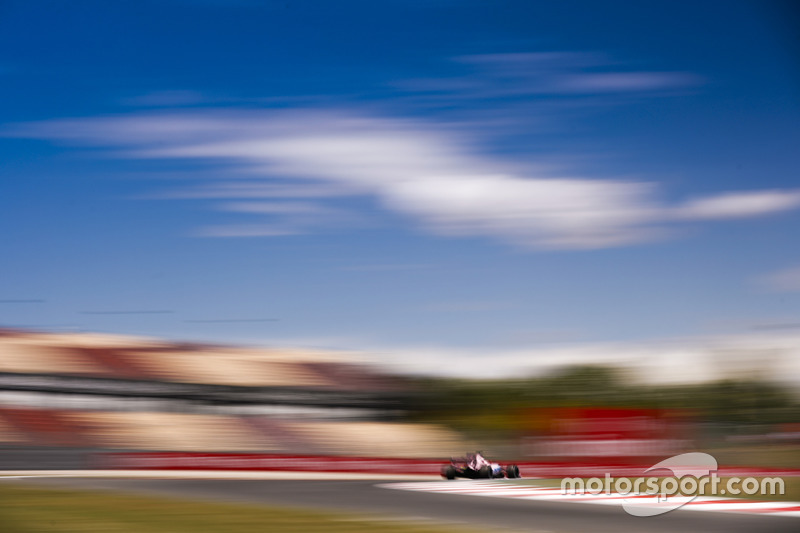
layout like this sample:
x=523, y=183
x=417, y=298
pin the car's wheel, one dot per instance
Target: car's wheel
x=512, y=471
x=449, y=472
x=485, y=472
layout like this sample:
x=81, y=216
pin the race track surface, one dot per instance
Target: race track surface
x=490, y=514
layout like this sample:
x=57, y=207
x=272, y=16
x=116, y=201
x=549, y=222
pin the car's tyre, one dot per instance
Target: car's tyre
x=449, y=472
x=512, y=472
x=485, y=472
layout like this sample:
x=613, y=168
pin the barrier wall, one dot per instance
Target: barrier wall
x=383, y=465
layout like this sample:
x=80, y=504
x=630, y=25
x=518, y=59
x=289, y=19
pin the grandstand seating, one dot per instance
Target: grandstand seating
x=48, y=427
x=129, y=358
x=377, y=438
x=49, y=402
x=223, y=367
x=169, y=431
x=32, y=356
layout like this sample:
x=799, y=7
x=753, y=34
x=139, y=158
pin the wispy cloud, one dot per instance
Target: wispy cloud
x=285, y=218
x=740, y=204
x=278, y=208
x=250, y=190
x=433, y=175
x=543, y=74
x=625, y=81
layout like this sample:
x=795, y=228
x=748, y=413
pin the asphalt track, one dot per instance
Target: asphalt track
x=489, y=514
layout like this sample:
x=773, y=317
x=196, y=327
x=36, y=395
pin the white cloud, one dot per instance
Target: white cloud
x=740, y=204
x=274, y=208
x=535, y=212
x=430, y=174
x=625, y=81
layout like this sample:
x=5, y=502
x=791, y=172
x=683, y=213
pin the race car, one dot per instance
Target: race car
x=475, y=466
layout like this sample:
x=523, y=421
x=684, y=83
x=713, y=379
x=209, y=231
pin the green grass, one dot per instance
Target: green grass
x=26, y=509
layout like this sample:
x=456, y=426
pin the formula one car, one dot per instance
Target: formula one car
x=475, y=466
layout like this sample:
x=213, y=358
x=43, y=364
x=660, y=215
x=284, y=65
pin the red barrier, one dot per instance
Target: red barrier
x=382, y=465
x=264, y=462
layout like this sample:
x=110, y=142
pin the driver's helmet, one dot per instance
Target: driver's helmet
x=476, y=460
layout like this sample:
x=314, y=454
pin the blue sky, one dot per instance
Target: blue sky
x=482, y=176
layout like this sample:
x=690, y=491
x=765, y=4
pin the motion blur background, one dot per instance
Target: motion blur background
x=551, y=231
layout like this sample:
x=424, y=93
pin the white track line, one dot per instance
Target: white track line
x=506, y=489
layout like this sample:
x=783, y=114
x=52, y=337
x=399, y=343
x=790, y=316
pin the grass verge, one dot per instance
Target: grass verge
x=27, y=509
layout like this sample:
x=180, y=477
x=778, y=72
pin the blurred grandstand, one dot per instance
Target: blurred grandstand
x=78, y=393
